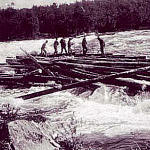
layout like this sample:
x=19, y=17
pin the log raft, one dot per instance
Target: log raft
x=76, y=70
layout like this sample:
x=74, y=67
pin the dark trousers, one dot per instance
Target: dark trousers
x=84, y=50
x=102, y=50
x=69, y=50
x=63, y=48
x=55, y=52
x=43, y=52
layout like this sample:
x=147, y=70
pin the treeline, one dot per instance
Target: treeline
x=73, y=19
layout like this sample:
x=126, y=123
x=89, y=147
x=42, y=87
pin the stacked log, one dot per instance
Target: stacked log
x=77, y=68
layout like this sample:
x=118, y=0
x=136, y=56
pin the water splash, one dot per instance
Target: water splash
x=109, y=110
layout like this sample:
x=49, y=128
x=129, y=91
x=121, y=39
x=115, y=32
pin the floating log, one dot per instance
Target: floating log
x=111, y=59
x=92, y=74
x=37, y=64
x=130, y=83
x=71, y=69
x=43, y=84
x=21, y=67
x=37, y=71
x=12, y=61
x=129, y=57
x=91, y=67
x=91, y=54
x=104, y=62
x=70, y=72
x=84, y=83
x=107, y=63
x=110, y=55
x=10, y=77
x=140, y=77
x=81, y=74
x=31, y=78
x=87, y=72
x=44, y=79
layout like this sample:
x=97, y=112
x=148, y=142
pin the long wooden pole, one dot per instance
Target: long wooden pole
x=37, y=64
x=83, y=83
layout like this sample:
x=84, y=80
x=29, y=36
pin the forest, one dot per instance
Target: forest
x=74, y=19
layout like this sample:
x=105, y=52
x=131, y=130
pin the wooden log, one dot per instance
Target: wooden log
x=10, y=77
x=43, y=84
x=129, y=57
x=92, y=74
x=108, y=63
x=90, y=67
x=37, y=64
x=94, y=54
x=84, y=83
x=112, y=59
x=144, y=73
x=130, y=83
x=110, y=55
x=11, y=81
x=20, y=66
x=39, y=78
x=3, y=64
x=12, y=61
x=37, y=71
x=70, y=72
x=33, y=77
x=125, y=64
x=140, y=77
x=81, y=74
x=135, y=81
x=87, y=72
x=121, y=65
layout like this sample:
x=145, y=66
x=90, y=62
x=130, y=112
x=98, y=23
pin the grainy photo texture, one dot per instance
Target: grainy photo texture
x=75, y=75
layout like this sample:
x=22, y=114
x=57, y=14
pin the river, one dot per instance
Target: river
x=108, y=114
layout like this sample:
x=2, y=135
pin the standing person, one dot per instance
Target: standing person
x=102, y=45
x=43, y=51
x=84, y=45
x=55, y=46
x=63, y=45
x=69, y=46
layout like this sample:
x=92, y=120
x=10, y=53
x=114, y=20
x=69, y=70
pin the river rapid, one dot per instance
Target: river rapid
x=108, y=114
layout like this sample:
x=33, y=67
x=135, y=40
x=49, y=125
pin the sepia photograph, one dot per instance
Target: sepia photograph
x=74, y=74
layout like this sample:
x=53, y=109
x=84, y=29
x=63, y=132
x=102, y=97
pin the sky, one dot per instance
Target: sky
x=30, y=3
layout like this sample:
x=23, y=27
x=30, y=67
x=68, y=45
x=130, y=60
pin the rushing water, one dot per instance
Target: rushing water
x=104, y=117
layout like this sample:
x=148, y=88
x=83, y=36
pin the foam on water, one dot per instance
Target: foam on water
x=129, y=42
x=109, y=110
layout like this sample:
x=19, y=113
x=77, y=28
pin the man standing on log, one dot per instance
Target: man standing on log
x=43, y=51
x=55, y=46
x=63, y=45
x=84, y=45
x=69, y=46
x=102, y=45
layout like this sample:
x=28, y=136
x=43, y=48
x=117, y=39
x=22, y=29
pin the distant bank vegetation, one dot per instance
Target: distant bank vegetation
x=73, y=19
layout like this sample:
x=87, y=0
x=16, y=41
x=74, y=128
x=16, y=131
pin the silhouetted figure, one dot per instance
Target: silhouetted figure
x=43, y=51
x=63, y=45
x=84, y=45
x=102, y=45
x=69, y=46
x=55, y=46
